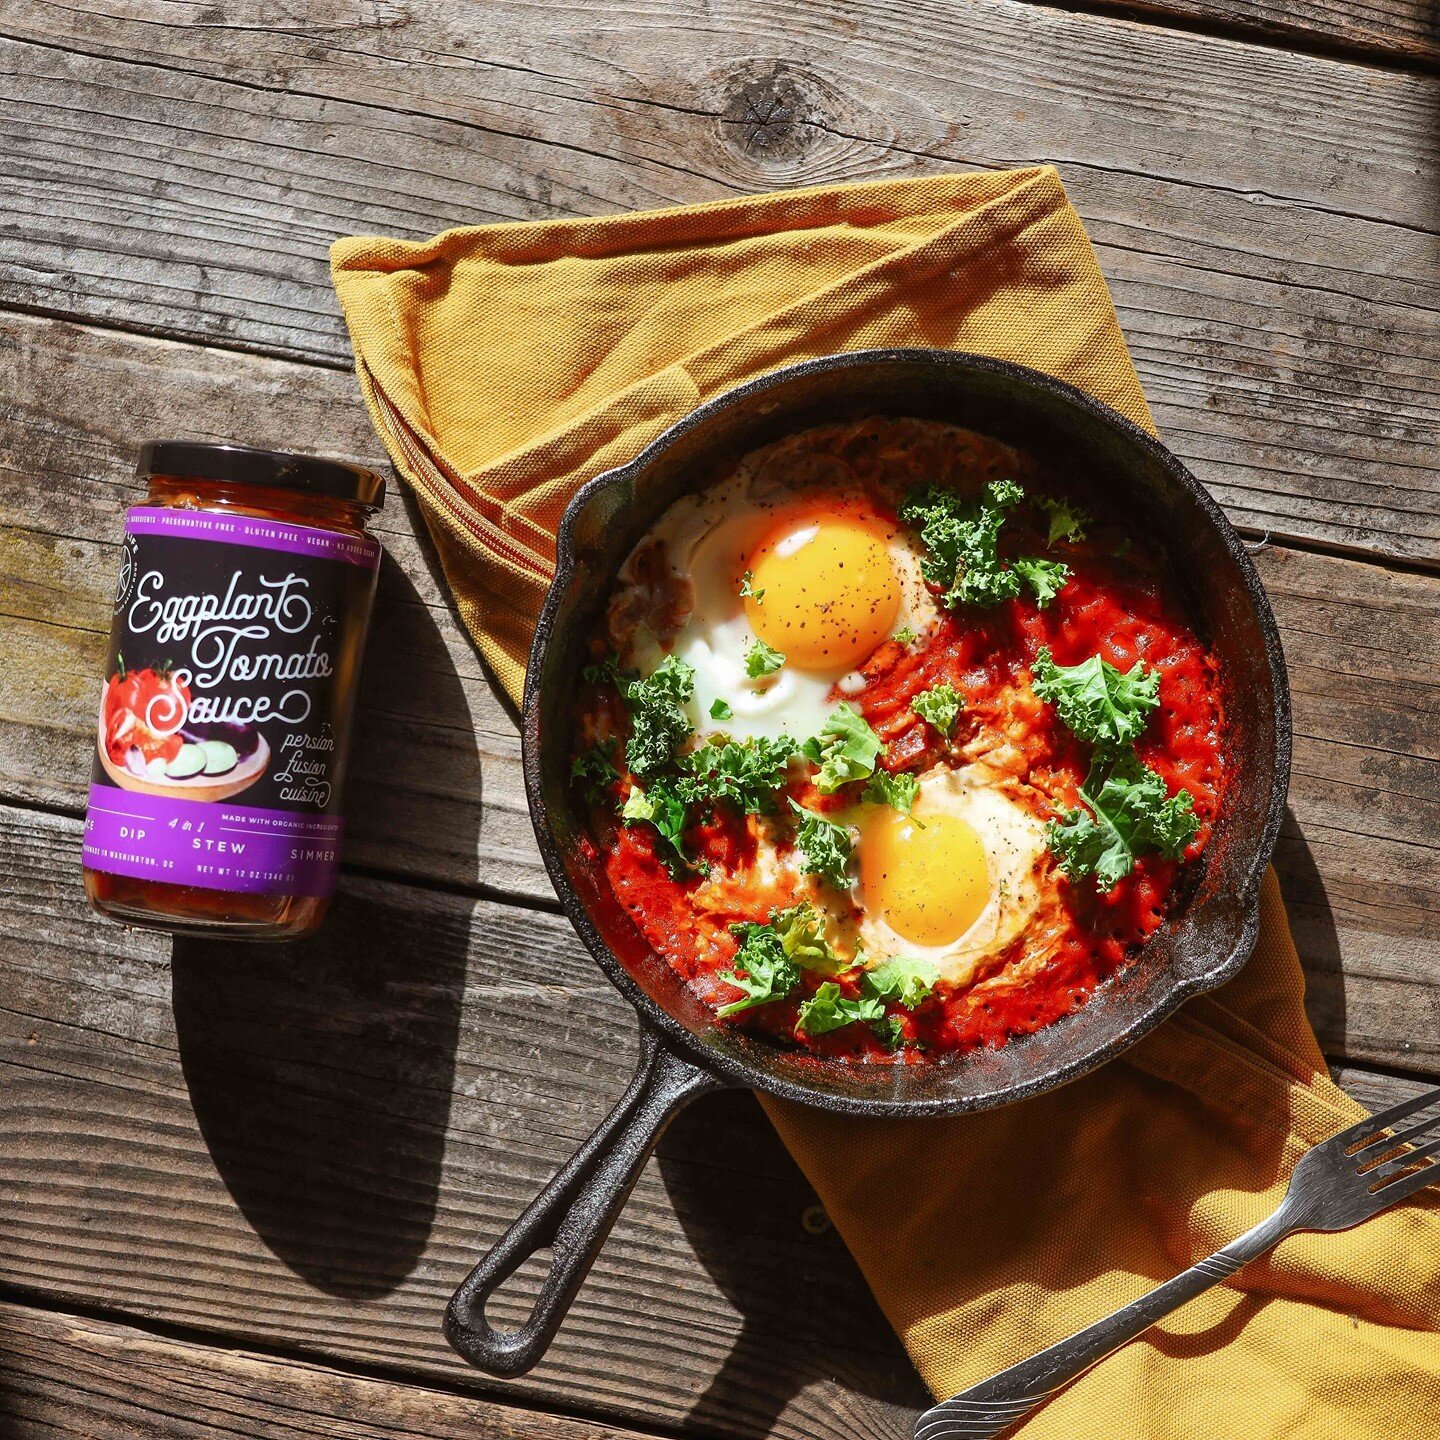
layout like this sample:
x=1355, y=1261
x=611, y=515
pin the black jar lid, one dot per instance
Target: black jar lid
x=278, y=469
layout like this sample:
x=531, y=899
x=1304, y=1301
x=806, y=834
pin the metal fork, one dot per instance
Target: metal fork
x=1338, y=1183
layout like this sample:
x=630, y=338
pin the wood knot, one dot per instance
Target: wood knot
x=770, y=116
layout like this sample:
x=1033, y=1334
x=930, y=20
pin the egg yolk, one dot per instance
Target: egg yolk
x=930, y=883
x=824, y=589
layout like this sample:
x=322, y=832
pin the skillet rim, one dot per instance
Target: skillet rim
x=1178, y=991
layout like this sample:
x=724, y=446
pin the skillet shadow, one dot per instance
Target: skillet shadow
x=321, y=1071
x=1312, y=924
x=761, y=1234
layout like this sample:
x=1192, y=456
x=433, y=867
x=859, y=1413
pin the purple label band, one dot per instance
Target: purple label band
x=211, y=844
x=363, y=550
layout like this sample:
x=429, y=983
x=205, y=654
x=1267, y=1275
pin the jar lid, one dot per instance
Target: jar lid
x=278, y=469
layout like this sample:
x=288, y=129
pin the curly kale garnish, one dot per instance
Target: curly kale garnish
x=658, y=722
x=1131, y=811
x=1099, y=703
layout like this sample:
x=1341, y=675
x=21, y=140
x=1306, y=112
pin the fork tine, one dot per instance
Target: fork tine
x=1409, y=1133
x=1405, y=1186
x=1387, y=1168
x=1367, y=1130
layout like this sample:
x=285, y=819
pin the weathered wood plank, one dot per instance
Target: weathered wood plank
x=533, y=70
x=73, y=1376
x=1358, y=858
x=69, y=1375
x=1375, y=1089
x=1267, y=219
x=306, y=1147
x=194, y=35
x=1400, y=31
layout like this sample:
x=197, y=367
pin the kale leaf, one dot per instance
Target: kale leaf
x=661, y=806
x=1097, y=701
x=596, y=768
x=905, y=981
x=897, y=791
x=1067, y=521
x=961, y=539
x=825, y=847
x=762, y=659
x=771, y=956
x=802, y=936
x=1132, y=812
x=608, y=672
x=1044, y=577
x=940, y=705
x=908, y=982
x=890, y=1031
x=747, y=773
x=829, y=1009
x=846, y=749
x=762, y=969
x=658, y=723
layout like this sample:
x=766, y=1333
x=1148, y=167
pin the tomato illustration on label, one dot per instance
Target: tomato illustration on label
x=142, y=712
x=149, y=743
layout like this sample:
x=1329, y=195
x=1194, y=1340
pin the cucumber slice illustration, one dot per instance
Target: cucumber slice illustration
x=220, y=756
x=189, y=760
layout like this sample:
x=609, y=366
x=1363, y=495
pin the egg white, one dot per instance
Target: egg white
x=707, y=539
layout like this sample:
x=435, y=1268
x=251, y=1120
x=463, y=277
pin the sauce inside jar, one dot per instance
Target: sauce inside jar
x=247, y=578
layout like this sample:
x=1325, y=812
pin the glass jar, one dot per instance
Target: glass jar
x=246, y=582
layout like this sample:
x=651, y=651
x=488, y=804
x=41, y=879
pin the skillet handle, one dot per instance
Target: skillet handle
x=573, y=1214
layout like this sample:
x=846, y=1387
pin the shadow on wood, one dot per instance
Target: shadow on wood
x=743, y=1202
x=1312, y=925
x=430, y=553
x=321, y=1072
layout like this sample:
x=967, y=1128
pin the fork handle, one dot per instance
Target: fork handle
x=987, y=1409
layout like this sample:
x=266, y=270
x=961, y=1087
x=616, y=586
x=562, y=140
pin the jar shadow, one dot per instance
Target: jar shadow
x=321, y=1071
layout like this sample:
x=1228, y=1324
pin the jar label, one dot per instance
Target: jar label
x=234, y=654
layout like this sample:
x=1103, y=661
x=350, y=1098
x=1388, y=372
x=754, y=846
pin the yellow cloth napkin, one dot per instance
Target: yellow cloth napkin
x=504, y=366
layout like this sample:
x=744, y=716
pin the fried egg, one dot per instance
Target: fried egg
x=827, y=579
x=955, y=881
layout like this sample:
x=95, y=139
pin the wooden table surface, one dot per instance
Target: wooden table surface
x=237, y=1185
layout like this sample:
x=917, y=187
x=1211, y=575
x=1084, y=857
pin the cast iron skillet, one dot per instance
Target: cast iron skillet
x=1205, y=940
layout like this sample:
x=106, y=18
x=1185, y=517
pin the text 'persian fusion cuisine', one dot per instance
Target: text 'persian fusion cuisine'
x=894, y=748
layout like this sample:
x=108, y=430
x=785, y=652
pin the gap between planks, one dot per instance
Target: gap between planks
x=1403, y=41
x=1414, y=45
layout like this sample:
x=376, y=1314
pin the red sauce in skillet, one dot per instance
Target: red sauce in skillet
x=1116, y=603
